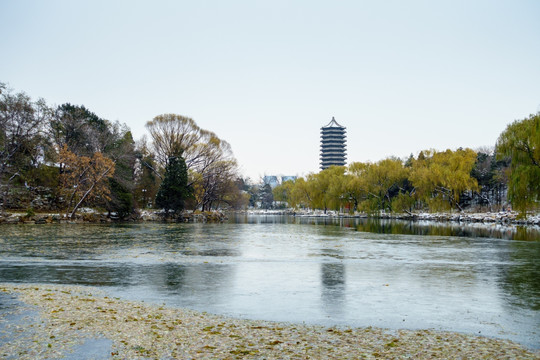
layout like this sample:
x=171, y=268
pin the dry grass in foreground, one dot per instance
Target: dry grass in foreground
x=71, y=314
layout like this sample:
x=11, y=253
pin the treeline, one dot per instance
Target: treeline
x=431, y=181
x=66, y=157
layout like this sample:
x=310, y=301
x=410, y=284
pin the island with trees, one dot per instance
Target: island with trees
x=65, y=159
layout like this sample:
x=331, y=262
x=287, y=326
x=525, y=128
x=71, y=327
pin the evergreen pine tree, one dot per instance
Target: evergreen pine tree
x=174, y=189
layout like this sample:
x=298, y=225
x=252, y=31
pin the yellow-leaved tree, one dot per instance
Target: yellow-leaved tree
x=440, y=177
x=84, y=178
x=355, y=185
x=383, y=182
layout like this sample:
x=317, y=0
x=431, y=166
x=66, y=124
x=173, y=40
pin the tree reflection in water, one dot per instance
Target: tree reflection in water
x=433, y=228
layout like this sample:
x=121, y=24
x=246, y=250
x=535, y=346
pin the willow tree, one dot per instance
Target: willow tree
x=355, y=184
x=300, y=194
x=520, y=142
x=383, y=181
x=283, y=191
x=440, y=177
x=334, y=192
x=324, y=190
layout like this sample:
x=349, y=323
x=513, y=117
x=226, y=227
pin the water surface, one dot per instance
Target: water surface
x=317, y=271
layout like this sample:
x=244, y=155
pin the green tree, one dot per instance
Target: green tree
x=520, y=142
x=122, y=151
x=120, y=199
x=266, y=196
x=147, y=177
x=490, y=174
x=253, y=193
x=174, y=189
x=80, y=129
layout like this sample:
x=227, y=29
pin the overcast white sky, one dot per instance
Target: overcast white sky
x=402, y=76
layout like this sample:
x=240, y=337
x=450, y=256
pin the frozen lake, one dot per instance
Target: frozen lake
x=346, y=272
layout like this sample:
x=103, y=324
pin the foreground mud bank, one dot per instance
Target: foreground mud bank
x=68, y=318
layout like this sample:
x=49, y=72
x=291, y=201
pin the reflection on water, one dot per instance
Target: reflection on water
x=333, y=292
x=522, y=280
x=430, y=228
x=391, y=226
x=327, y=271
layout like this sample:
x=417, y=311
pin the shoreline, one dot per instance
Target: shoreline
x=91, y=216
x=70, y=316
x=503, y=217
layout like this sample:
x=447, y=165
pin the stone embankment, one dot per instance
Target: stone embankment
x=91, y=216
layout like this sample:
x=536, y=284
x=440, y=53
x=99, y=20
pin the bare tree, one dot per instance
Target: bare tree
x=209, y=159
x=21, y=125
x=172, y=135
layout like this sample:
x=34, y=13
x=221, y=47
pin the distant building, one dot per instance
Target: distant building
x=274, y=180
x=271, y=180
x=288, y=178
x=333, y=145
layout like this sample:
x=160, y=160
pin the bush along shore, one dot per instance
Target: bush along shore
x=68, y=317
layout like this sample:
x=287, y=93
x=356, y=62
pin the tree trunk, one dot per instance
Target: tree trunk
x=89, y=191
x=81, y=201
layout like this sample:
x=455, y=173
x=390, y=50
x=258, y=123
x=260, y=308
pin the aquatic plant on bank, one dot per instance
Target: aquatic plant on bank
x=70, y=315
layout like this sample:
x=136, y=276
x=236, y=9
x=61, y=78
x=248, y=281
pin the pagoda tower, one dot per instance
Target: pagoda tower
x=333, y=145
